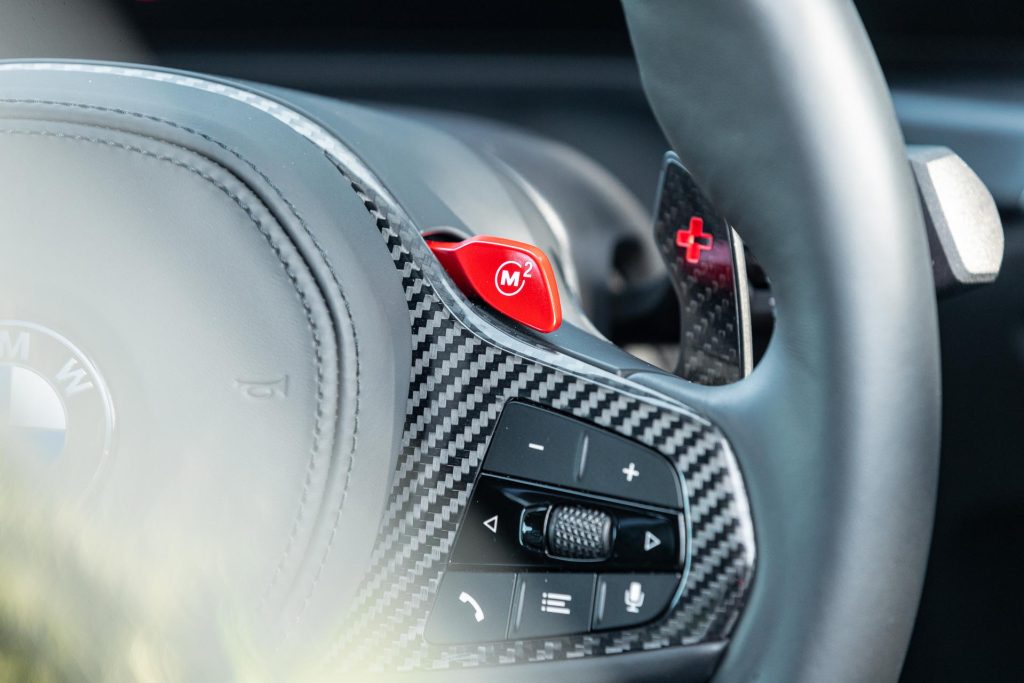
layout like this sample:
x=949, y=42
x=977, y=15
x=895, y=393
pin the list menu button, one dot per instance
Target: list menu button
x=552, y=605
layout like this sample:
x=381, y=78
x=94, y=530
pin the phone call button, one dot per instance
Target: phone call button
x=471, y=607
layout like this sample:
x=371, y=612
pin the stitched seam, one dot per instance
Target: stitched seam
x=311, y=466
x=379, y=218
x=337, y=517
x=317, y=343
x=382, y=223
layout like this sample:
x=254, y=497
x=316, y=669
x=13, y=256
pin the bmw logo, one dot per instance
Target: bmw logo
x=56, y=416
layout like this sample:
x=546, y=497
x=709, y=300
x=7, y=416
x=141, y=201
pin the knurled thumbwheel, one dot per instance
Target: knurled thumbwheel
x=579, y=533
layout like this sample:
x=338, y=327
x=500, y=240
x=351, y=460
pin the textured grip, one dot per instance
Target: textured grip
x=579, y=533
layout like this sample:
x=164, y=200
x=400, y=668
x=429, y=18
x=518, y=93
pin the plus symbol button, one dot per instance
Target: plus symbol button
x=687, y=239
x=631, y=472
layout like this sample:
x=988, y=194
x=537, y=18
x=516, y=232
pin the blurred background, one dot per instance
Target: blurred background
x=565, y=70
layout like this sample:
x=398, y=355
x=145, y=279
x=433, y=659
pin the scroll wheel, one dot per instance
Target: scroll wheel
x=579, y=533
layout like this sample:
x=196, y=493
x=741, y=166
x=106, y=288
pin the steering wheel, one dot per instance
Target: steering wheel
x=250, y=417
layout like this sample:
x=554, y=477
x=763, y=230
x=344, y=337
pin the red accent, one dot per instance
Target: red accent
x=688, y=239
x=514, y=278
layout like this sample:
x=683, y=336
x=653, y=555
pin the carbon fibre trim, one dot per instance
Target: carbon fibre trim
x=460, y=383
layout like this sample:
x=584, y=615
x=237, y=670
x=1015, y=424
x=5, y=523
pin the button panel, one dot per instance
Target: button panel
x=537, y=444
x=570, y=529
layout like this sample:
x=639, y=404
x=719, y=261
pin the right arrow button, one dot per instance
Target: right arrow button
x=648, y=542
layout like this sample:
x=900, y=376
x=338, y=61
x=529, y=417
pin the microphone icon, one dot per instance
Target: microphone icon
x=634, y=597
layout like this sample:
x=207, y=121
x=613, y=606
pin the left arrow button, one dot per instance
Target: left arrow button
x=489, y=531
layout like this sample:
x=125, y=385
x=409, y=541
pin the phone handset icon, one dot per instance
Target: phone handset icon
x=478, y=613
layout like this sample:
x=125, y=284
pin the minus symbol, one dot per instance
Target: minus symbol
x=536, y=447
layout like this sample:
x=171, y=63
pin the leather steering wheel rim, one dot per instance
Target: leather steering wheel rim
x=781, y=111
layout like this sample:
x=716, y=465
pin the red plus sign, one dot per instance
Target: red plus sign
x=688, y=239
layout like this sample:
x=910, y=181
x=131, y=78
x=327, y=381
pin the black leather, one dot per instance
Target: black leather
x=780, y=110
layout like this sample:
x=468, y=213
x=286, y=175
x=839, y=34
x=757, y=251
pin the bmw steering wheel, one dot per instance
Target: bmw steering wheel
x=256, y=427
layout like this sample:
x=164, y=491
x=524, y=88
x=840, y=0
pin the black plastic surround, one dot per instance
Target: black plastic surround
x=595, y=541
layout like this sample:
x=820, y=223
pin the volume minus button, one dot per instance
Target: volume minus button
x=536, y=444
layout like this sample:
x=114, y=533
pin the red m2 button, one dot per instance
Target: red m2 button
x=513, y=278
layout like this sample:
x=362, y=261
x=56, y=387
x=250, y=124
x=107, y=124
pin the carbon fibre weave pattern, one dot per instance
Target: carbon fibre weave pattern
x=459, y=385
x=713, y=315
